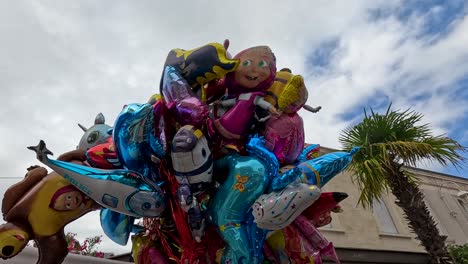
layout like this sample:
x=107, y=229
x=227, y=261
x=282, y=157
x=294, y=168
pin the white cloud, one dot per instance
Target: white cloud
x=387, y=57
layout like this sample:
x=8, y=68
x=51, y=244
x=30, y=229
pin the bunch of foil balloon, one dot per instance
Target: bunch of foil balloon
x=211, y=169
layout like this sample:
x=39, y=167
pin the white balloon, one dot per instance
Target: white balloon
x=278, y=209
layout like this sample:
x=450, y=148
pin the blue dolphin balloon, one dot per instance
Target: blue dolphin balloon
x=123, y=191
x=317, y=171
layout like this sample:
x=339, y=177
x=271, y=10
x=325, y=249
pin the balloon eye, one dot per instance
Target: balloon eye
x=262, y=63
x=246, y=63
x=93, y=137
x=68, y=206
x=7, y=250
x=146, y=206
x=203, y=152
x=68, y=197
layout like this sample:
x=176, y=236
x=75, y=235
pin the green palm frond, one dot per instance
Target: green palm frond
x=370, y=177
x=388, y=141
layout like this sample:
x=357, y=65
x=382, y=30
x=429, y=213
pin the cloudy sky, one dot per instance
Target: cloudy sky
x=62, y=62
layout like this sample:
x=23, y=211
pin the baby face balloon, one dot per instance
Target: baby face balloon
x=256, y=71
x=254, y=66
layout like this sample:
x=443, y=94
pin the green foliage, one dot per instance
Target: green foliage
x=459, y=253
x=389, y=141
x=88, y=247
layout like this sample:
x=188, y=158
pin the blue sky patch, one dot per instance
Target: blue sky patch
x=438, y=14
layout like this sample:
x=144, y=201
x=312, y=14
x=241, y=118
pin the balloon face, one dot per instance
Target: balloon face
x=95, y=135
x=277, y=210
x=191, y=156
x=255, y=66
x=12, y=240
x=149, y=204
x=68, y=201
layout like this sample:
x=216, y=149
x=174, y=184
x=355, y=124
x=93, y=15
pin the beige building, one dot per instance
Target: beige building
x=382, y=235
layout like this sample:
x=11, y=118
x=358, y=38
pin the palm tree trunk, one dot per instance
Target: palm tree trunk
x=411, y=200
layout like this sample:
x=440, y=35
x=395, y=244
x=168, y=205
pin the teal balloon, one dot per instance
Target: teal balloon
x=247, y=179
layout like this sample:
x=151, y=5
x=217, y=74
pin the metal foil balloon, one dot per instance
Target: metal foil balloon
x=317, y=240
x=135, y=141
x=324, y=204
x=123, y=191
x=38, y=208
x=316, y=171
x=285, y=137
x=322, y=169
x=103, y=156
x=309, y=152
x=116, y=226
x=278, y=209
x=187, y=108
x=246, y=88
x=256, y=147
x=95, y=135
x=191, y=156
x=246, y=181
x=289, y=245
x=203, y=64
x=144, y=251
x=193, y=167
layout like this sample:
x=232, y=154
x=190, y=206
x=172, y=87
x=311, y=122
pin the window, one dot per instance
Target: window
x=384, y=219
x=463, y=205
x=441, y=228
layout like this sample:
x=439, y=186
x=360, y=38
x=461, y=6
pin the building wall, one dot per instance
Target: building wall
x=448, y=210
x=360, y=228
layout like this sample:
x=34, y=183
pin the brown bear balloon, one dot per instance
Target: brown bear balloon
x=38, y=208
x=42, y=204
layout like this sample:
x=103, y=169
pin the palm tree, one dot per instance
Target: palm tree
x=389, y=143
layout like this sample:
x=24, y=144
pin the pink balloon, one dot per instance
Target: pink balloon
x=317, y=240
x=284, y=136
x=150, y=255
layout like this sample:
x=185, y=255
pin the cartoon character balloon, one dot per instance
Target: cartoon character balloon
x=96, y=134
x=42, y=204
x=184, y=74
x=193, y=167
x=245, y=90
x=122, y=191
x=38, y=208
x=284, y=135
